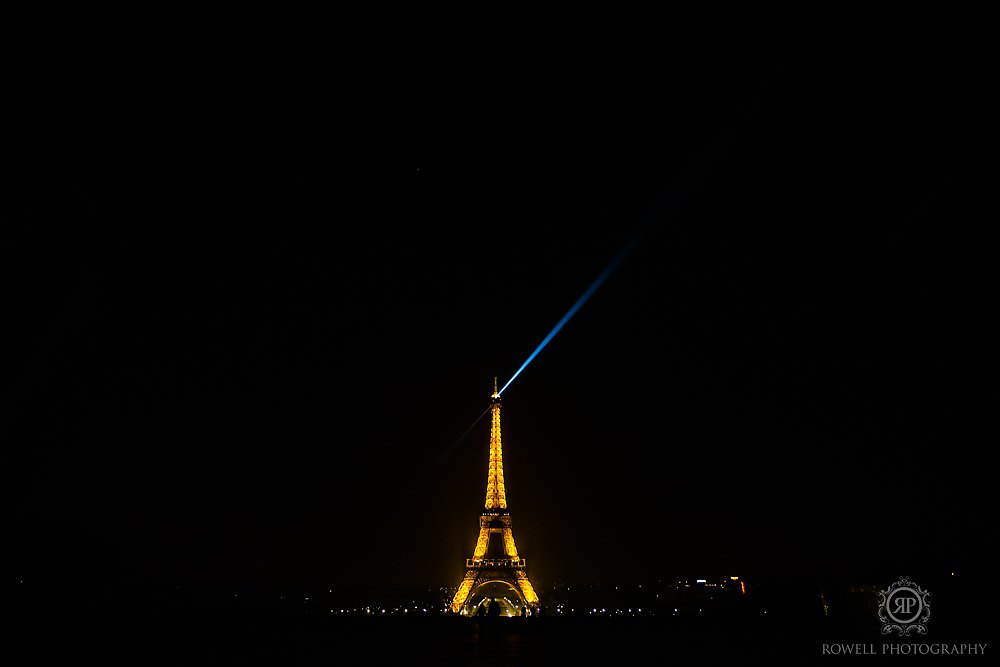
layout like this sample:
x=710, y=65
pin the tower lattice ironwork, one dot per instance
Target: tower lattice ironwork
x=495, y=559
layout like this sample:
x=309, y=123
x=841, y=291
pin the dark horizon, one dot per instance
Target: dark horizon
x=247, y=331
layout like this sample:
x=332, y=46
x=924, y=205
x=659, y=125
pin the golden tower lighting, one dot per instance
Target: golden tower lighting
x=495, y=565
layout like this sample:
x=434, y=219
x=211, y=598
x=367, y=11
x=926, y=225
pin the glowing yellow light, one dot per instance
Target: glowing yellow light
x=494, y=521
x=496, y=496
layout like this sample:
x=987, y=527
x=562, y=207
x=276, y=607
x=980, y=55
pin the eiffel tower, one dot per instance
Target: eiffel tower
x=495, y=568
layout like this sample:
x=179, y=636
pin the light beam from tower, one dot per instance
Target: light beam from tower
x=598, y=281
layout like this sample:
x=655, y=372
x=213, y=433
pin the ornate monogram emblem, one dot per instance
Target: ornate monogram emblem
x=903, y=607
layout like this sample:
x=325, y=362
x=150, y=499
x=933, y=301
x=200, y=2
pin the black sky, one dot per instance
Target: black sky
x=252, y=306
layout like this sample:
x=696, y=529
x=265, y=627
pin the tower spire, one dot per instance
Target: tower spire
x=496, y=495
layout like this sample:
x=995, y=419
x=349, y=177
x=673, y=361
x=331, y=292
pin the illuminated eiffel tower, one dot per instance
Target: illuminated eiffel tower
x=495, y=570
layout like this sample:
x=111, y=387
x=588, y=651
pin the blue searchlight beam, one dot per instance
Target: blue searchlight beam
x=598, y=281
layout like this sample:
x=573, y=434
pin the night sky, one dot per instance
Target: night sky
x=253, y=306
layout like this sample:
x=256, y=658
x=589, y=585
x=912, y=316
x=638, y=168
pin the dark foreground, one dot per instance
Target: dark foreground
x=204, y=639
x=70, y=625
